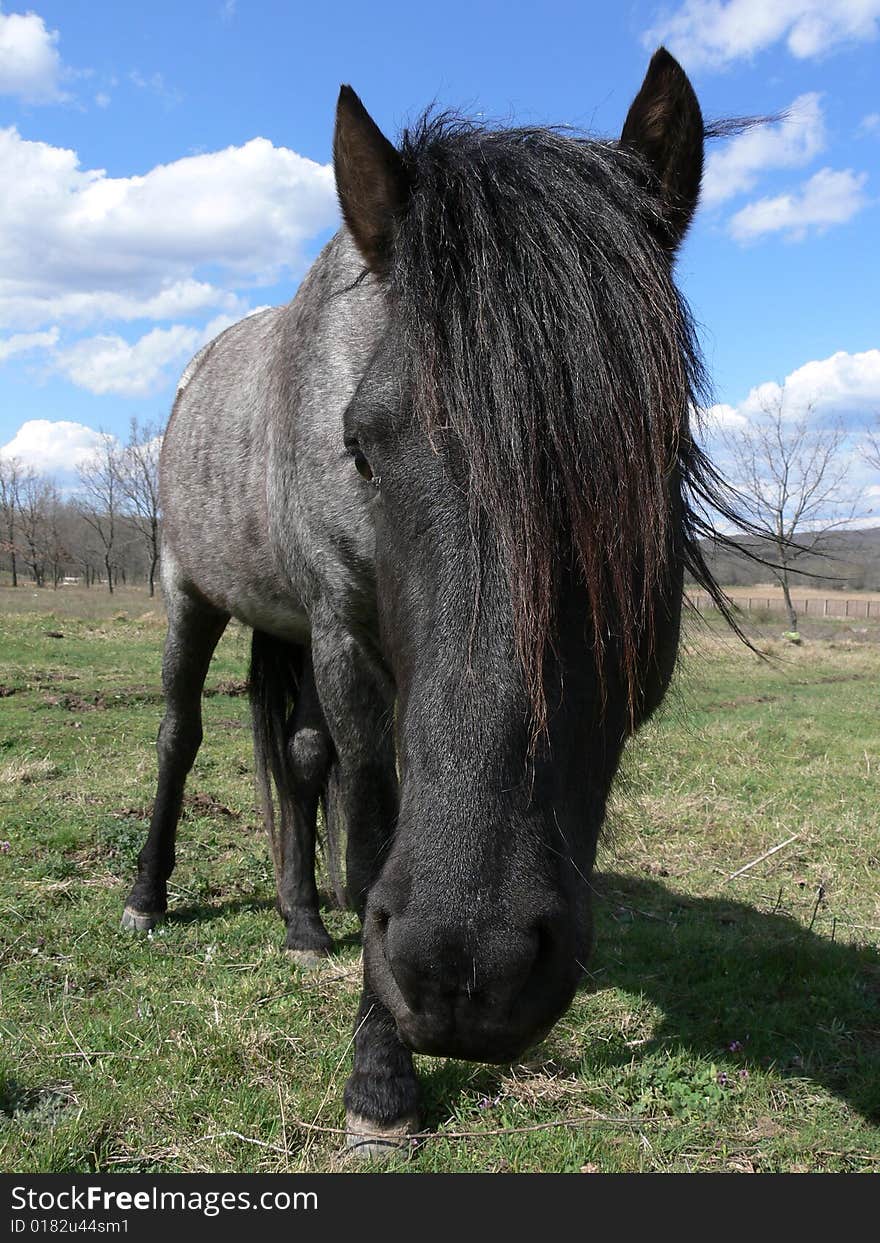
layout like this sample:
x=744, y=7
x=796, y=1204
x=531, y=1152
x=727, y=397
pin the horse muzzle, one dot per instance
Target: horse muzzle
x=450, y=1000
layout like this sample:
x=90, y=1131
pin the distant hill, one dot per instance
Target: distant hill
x=851, y=560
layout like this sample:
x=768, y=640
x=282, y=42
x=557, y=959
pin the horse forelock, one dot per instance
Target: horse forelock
x=542, y=327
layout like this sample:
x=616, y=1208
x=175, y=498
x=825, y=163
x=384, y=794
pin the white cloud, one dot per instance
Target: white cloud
x=110, y=364
x=790, y=143
x=76, y=243
x=870, y=124
x=844, y=386
x=844, y=389
x=22, y=342
x=712, y=33
x=30, y=67
x=829, y=197
x=184, y=297
x=720, y=417
x=156, y=83
x=52, y=447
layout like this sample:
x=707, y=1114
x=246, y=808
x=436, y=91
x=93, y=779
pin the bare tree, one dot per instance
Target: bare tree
x=83, y=545
x=791, y=477
x=872, y=447
x=139, y=485
x=57, y=544
x=98, y=501
x=35, y=495
x=11, y=472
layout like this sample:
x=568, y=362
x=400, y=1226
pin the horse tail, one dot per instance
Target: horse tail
x=276, y=676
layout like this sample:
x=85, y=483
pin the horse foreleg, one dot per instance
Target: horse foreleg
x=382, y=1092
x=381, y=1095
x=194, y=630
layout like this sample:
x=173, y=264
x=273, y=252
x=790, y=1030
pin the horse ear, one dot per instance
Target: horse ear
x=371, y=180
x=665, y=126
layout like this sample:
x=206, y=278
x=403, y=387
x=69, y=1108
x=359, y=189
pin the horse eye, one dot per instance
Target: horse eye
x=362, y=466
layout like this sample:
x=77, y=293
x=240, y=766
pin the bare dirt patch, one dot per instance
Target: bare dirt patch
x=228, y=686
x=207, y=805
x=76, y=703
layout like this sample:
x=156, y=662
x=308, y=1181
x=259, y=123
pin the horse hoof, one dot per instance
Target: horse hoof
x=377, y=1141
x=140, y=921
x=308, y=960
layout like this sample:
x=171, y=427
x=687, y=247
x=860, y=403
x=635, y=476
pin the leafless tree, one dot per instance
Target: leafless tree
x=35, y=496
x=99, y=497
x=789, y=470
x=139, y=486
x=85, y=555
x=11, y=472
x=872, y=446
x=97, y=534
x=57, y=533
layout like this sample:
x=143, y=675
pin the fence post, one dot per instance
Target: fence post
x=806, y=605
x=825, y=608
x=846, y=608
x=749, y=605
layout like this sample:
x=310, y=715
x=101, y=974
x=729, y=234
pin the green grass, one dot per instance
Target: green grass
x=727, y=1025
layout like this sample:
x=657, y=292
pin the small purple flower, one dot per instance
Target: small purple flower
x=5, y=848
x=721, y=1079
x=735, y=1046
x=743, y=1073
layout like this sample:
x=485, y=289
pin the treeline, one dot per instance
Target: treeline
x=848, y=561
x=105, y=533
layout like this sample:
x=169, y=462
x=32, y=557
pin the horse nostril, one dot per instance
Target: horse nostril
x=547, y=942
x=376, y=928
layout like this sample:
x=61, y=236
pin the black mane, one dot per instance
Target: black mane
x=542, y=326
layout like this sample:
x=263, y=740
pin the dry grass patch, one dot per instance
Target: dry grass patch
x=25, y=771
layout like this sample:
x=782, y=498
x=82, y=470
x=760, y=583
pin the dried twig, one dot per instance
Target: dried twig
x=97, y=1053
x=559, y=1123
x=67, y=1025
x=283, y=1118
x=245, y=1139
x=820, y=894
x=419, y=1137
x=760, y=858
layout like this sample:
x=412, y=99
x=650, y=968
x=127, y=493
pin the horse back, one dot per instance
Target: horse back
x=258, y=500
x=213, y=477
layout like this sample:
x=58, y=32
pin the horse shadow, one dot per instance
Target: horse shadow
x=207, y=912
x=742, y=988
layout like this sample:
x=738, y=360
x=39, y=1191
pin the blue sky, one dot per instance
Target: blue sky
x=165, y=170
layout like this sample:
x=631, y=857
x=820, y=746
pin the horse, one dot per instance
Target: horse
x=453, y=489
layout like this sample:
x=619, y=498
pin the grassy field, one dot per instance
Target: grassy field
x=730, y=1022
